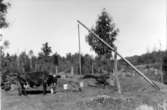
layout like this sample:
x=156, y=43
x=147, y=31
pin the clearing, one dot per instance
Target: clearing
x=137, y=95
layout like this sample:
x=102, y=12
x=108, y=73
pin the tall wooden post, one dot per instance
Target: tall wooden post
x=72, y=71
x=79, y=45
x=92, y=68
x=116, y=71
x=56, y=69
x=18, y=64
x=162, y=77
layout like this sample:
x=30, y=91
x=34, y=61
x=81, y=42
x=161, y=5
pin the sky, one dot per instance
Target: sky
x=142, y=25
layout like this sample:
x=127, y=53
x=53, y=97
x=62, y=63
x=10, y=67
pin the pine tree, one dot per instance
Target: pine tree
x=46, y=49
x=105, y=28
x=3, y=11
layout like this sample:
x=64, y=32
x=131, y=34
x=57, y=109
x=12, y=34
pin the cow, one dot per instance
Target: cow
x=35, y=79
x=101, y=79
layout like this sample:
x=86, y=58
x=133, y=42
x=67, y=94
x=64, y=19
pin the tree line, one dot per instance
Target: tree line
x=44, y=61
x=154, y=57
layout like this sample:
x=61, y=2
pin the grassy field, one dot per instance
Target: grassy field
x=136, y=92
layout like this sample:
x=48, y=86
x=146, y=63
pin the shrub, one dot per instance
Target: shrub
x=164, y=69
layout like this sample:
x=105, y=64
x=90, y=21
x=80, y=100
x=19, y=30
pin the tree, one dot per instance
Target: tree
x=55, y=59
x=46, y=50
x=3, y=11
x=105, y=28
x=2, y=53
x=24, y=63
x=3, y=47
x=44, y=58
x=31, y=54
x=3, y=23
x=86, y=62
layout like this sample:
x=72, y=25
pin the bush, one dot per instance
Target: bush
x=164, y=69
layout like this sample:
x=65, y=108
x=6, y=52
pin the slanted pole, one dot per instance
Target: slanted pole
x=116, y=71
x=79, y=45
x=128, y=62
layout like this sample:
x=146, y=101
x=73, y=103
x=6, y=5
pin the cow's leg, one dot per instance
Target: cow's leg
x=24, y=91
x=26, y=85
x=55, y=81
x=19, y=91
x=19, y=88
x=52, y=90
x=54, y=87
x=44, y=88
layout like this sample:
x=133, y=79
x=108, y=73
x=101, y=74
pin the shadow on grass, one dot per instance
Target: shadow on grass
x=35, y=92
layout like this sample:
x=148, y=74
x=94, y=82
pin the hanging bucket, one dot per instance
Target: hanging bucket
x=65, y=86
x=51, y=91
x=81, y=84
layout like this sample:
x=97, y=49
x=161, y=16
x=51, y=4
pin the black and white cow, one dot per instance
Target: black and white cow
x=35, y=79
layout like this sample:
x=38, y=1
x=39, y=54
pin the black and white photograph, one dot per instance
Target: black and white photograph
x=83, y=55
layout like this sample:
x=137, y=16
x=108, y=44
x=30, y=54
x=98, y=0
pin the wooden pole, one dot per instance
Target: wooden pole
x=128, y=62
x=162, y=76
x=116, y=71
x=92, y=68
x=79, y=45
x=162, y=79
x=18, y=64
x=72, y=71
x=56, y=70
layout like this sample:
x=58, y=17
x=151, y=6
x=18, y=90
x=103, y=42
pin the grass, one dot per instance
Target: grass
x=135, y=92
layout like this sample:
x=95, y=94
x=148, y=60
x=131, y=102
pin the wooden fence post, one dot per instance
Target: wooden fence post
x=162, y=79
x=92, y=69
x=116, y=71
x=56, y=69
x=72, y=70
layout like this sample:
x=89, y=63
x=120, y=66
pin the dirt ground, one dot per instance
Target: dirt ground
x=136, y=93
